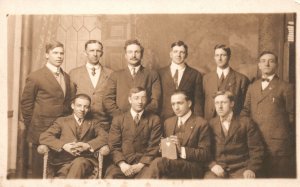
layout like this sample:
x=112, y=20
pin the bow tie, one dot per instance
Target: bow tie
x=265, y=79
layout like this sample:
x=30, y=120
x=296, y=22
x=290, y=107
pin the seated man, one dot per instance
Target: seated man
x=190, y=134
x=237, y=145
x=133, y=138
x=75, y=138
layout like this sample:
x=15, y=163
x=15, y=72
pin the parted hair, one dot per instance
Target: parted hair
x=181, y=43
x=136, y=42
x=53, y=44
x=229, y=94
x=225, y=48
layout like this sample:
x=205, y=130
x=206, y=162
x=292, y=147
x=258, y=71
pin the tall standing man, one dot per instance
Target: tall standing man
x=92, y=79
x=133, y=138
x=134, y=75
x=190, y=134
x=180, y=76
x=46, y=96
x=224, y=78
x=271, y=103
x=238, y=149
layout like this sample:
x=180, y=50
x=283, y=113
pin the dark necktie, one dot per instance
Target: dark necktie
x=176, y=78
x=222, y=78
x=133, y=72
x=93, y=71
x=57, y=72
x=136, y=120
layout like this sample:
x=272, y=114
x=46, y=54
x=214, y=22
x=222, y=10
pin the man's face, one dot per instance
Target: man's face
x=133, y=55
x=138, y=101
x=55, y=56
x=180, y=105
x=223, y=105
x=178, y=54
x=267, y=64
x=221, y=58
x=80, y=107
x=94, y=52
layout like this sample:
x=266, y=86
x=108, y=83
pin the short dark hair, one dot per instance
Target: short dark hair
x=92, y=42
x=268, y=52
x=181, y=43
x=53, y=44
x=136, y=42
x=229, y=94
x=187, y=97
x=82, y=96
x=225, y=48
x=135, y=90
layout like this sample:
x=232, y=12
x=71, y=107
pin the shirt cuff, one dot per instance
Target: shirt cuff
x=183, y=153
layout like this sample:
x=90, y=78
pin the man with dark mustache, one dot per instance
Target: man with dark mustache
x=115, y=98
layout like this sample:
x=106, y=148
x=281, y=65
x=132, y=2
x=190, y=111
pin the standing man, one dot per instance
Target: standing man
x=180, y=76
x=190, y=133
x=224, y=78
x=133, y=138
x=92, y=79
x=237, y=145
x=46, y=96
x=271, y=103
x=74, y=139
x=134, y=75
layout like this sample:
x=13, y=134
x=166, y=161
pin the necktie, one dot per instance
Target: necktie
x=222, y=78
x=136, y=120
x=176, y=78
x=180, y=124
x=133, y=72
x=80, y=121
x=57, y=72
x=93, y=71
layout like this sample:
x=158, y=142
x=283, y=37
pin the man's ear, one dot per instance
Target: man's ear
x=47, y=55
x=232, y=104
x=190, y=103
x=72, y=106
x=129, y=100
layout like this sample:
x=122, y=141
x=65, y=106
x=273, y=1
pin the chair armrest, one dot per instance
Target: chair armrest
x=42, y=149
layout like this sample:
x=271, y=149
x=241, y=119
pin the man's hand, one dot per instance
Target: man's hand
x=71, y=148
x=81, y=146
x=126, y=169
x=175, y=140
x=104, y=150
x=248, y=174
x=137, y=167
x=218, y=170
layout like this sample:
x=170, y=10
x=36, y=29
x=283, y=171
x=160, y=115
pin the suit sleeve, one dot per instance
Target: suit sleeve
x=110, y=96
x=244, y=87
x=198, y=96
x=73, y=81
x=153, y=144
x=202, y=152
x=51, y=136
x=289, y=96
x=255, y=147
x=28, y=100
x=246, y=111
x=100, y=137
x=115, y=140
x=155, y=93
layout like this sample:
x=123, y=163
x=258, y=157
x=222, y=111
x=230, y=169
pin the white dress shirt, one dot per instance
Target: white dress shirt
x=181, y=121
x=60, y=77
x=77, y=120
x=224, y=71
x=226, y=121
x=136, y=69
x=180, y=68
x=265, y=84
x=94, y=78
x=133, y=113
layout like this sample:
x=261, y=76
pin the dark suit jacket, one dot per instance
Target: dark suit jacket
x=134, y=144
x=83, y=84
x=241, y=148
x=271, y=109
x=196, y=139
x=120, y=82
x=43, y=101
x=235, y=82
x=191, y=83
x=63, y=131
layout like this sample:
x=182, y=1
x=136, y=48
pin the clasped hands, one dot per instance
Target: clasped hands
x=76, y=148
x=130, y=170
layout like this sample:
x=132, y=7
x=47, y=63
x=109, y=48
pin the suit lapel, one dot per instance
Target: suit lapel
x=213, y=83
x=142, y=123
x=170, y=127
x=234, y=126
x=185, y=77
x=188, y=129
x=140, y=76
x=49, y=76
x=73, y=124
x=86, y=78
x=218, y=128
x=230, y=80
x=169, y=79
x=86, y=125
x=272, y=85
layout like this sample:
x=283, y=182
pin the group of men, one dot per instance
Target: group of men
x=222, y=126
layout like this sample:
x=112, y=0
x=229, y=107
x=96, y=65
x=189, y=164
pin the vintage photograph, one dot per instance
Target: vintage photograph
x=161, y=96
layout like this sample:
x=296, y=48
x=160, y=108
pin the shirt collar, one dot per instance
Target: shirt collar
x=270, y=77
x=175, y=66
x=51, y=67
x=77, y=118
x=224, y=71
x=227, y=118
x=90, y=66
x=135, y=67
x=133, y=113
x=184, y=118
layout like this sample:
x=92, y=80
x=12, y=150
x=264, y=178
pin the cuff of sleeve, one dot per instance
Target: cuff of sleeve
x=183, y=153
x=91, y=149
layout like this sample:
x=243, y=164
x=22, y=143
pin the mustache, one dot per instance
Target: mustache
x=133, y=58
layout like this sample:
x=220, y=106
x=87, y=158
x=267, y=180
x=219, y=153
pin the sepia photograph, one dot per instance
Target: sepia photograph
x=149, y=93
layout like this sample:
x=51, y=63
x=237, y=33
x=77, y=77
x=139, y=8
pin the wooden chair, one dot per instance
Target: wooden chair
x=47, y=173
